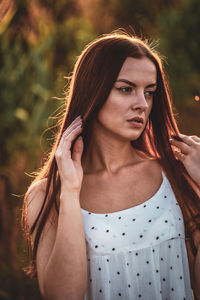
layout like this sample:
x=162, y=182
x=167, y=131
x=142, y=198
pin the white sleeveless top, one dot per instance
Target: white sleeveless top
x=138, y=253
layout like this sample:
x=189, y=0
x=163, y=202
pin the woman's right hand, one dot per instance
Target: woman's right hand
x=69, y=164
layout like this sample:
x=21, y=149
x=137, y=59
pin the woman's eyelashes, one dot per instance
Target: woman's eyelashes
x=128, y=90
x=125, y=89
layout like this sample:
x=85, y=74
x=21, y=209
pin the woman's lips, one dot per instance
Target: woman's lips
x=135, y=124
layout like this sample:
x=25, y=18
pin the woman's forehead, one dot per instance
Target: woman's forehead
x=137, y=69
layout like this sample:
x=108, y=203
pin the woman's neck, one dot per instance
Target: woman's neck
x=108, y=155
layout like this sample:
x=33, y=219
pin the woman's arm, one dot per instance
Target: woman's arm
x=189, y=155
x=61, y=257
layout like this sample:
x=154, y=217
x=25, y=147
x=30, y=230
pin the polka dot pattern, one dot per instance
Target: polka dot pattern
x=139, y=251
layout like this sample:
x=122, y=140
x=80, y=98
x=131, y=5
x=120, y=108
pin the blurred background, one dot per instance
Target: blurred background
x=39, y=43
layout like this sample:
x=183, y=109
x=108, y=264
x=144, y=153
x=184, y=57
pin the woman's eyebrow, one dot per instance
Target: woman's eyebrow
x=134, y=85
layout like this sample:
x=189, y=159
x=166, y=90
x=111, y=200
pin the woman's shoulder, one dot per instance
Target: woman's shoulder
x=34, y=199
x=37, y=187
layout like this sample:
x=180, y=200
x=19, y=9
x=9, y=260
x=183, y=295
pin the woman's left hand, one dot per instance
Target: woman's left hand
x=189, y=154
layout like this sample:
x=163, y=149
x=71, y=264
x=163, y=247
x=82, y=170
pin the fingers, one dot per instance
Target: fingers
x=72, y=126
x=69, y=135
x=185, y=143
x=185, y=149
x=195, y=138
x=68, y=139
x=179, y=156
x=78, y=150
x=187, y=139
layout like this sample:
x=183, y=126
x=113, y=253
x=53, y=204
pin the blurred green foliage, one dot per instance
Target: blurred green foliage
x=39, y=43
x=180, y=40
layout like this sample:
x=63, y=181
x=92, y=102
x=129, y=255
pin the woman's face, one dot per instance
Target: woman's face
x=131, y=97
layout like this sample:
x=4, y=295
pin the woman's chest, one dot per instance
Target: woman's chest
x=118, y=193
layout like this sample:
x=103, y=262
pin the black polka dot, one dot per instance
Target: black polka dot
x=99, y=269
x=165, y=196
x=129, y=285
x=107, y=230
x=138, y=274
x=157, y=271
x=169, y=246
x=127, y=264
x=163, y=279
x=133, y=219
x=157, y=207
x=181, y=277
x=177, y=256
x=88, y=259
x=171, y=267
x=145, y=205
x=149, y=283
x=166, y=221
x=118, y=273
x=106, y=215
x=141, y=236
x=89, y=213
x=161, y=258
x=96, y=246
x=92, y=227
x=179, y=219
x=147, y=262
x=107, y=259
x=136, y=253
x=123, y=233
x=119, y=217
x=157, y=237
x=109, y=281
x=153, y=250
x=119, y=294
x=100, y=291
x=149, y=221
x=113, y=249
x=139, y=295
x=172, y=289
x=179, y=234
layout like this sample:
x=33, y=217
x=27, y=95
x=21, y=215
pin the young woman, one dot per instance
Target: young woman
x=114, y=212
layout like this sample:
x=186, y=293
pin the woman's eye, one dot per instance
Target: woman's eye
x=125, y=89
x=149, y=93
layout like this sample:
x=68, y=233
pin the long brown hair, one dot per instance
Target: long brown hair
x=93, y=77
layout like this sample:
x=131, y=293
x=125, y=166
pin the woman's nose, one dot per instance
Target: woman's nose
x=140, y=102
